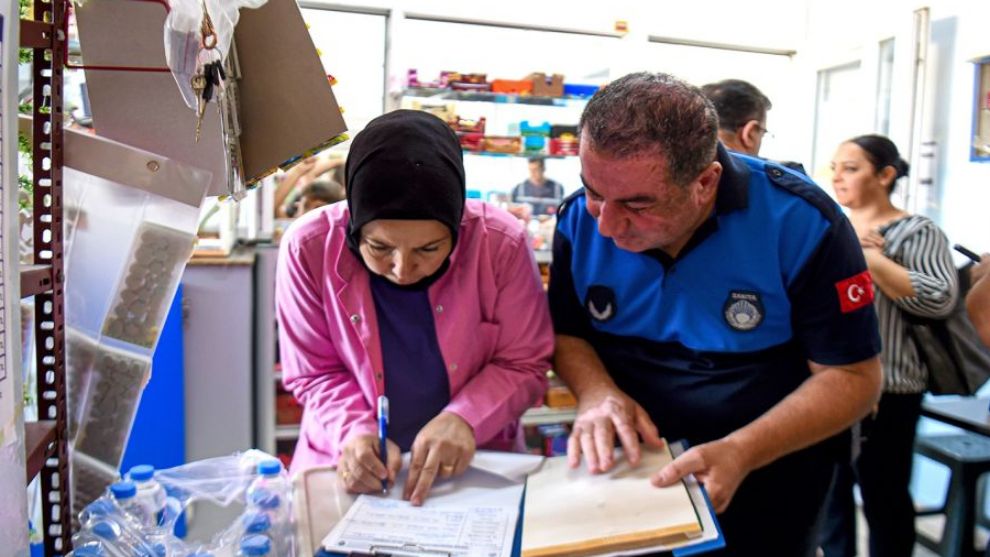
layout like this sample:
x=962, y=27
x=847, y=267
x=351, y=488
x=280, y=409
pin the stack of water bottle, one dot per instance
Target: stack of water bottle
x=137, y=517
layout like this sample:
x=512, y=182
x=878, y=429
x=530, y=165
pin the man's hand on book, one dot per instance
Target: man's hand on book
x=603, y=415
x=719, y=465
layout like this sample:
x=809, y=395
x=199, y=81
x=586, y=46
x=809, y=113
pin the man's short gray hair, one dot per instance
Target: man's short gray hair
x=646, y=113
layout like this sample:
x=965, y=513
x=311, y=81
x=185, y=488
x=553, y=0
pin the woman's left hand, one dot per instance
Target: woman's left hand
x=444, y=448
x=872, y=239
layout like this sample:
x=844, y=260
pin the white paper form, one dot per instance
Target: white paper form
x=473, y=515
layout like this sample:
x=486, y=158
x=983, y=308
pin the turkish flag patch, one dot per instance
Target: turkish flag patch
x=855, y=292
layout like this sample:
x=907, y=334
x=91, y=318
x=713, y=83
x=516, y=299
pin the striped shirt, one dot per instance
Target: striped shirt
x=917, y=244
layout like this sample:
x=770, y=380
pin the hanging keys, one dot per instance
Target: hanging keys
x=199, y=85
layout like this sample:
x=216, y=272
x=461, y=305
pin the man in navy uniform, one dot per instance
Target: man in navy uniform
x=717, y=298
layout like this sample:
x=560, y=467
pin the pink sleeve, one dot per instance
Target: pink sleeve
x=515, y=376
x=311, y=367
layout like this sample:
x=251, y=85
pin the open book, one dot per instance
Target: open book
x=573, y=512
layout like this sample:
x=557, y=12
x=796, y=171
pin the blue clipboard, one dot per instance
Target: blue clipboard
x=710, y=545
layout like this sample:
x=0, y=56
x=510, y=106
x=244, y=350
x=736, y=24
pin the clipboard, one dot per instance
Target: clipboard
x=317, y=515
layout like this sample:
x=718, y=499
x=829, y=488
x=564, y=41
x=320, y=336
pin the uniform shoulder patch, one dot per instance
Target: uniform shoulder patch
x=855, y=292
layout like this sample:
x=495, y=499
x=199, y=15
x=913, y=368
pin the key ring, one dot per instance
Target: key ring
x=207, y=31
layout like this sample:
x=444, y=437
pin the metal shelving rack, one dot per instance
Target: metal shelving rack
x=46, y=443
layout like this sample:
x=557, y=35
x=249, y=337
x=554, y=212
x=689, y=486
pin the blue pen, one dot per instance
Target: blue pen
x=383, y=435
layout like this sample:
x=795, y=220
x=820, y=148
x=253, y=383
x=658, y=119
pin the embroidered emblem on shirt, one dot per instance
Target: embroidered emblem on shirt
x=743, y=311
x=855, y=292
x=600, y=302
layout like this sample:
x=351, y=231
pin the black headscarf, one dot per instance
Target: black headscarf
x=405, y=165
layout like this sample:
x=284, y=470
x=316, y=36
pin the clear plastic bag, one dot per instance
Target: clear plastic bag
x=184, y=41
x=107, y=529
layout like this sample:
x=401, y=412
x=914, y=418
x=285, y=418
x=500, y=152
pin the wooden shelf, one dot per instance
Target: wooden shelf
x=39, y=444
x=35, y=279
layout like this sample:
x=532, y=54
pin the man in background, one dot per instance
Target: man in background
x=539, y=191
x=742, y=116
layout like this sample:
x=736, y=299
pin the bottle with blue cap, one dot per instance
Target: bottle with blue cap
x=256, y=522
x=111, y=538
x=150, y=493
x=270, y=493
x=255, y=545
x=125, y=494
x=100, y=508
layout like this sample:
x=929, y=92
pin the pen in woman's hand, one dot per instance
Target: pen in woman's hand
x=383, y=436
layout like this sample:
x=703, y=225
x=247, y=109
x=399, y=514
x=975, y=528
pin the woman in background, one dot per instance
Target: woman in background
x=913, y=273
x=408, y=291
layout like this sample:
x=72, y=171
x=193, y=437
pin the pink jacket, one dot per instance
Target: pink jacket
x=492, y=321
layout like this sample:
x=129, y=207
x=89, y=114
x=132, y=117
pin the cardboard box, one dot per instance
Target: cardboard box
x=512, y=86
x=544, y=86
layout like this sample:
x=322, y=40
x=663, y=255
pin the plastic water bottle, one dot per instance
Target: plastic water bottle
x=256, y=522
x=125, y=493
x=96, y=510
x=150, y=493
x=255, y=545
x=270, y=493
x=110, y=536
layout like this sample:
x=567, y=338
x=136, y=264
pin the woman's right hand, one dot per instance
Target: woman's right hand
x=360, y=469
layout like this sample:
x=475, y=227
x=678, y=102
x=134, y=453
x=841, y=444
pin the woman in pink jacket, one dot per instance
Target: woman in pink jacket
x=408, y=291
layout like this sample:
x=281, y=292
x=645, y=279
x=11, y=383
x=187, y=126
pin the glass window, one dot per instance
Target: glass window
x=839, y=88
x=352, y=49
x=885, y=72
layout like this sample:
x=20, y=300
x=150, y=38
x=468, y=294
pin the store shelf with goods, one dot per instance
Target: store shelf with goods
x=500, y=132
x=437, y=94
x=523, y=154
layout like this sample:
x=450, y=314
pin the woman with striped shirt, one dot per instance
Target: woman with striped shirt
x=909, y=259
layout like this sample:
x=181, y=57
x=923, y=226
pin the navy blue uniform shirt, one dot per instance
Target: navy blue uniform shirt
x=416, y=380
x=708, y=341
